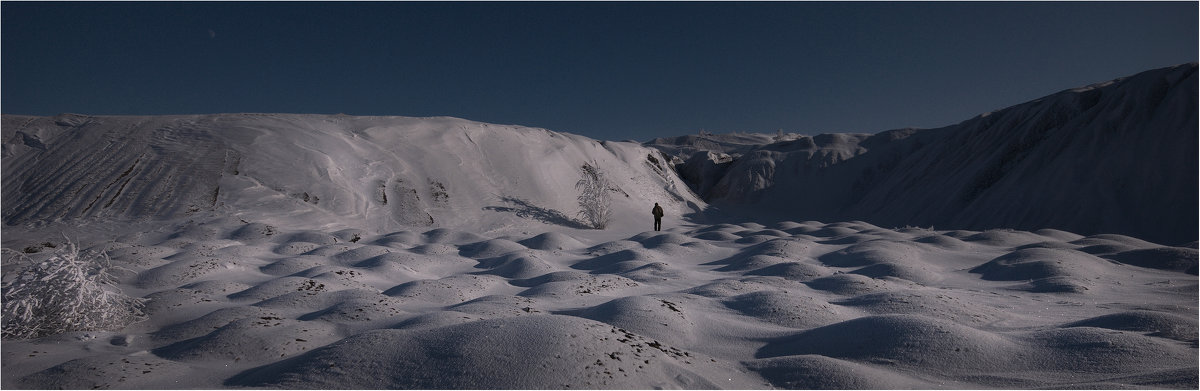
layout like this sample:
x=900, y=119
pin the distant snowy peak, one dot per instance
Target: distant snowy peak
x=367, y=172
x=1118, y=156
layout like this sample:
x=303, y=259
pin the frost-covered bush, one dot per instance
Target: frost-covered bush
x=595, y=207
x=70, y=291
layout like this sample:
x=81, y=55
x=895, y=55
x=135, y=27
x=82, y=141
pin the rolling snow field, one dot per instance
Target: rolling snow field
x=340, y=252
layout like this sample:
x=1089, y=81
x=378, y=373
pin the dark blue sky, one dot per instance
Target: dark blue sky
x=605, y=70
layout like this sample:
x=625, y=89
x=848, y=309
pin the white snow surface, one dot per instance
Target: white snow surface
x=744, y=306
x=337, y=252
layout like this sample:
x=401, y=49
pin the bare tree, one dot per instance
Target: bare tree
x=595, y=206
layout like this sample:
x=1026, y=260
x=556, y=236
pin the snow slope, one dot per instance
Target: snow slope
x=373, y=173
x=1115, y=157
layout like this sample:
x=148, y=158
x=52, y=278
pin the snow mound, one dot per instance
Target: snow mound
x=450, y=236
x=264, y=339
x=905, y=340
x=482, y=354
x=357, y=308
x=1114, y=239
x=192, y=267
x=718, y=236
x=499, y=306
x=490, y=248
x=579, y=285
x=214, y=320
x=766, y=253
x=848, y=284
x=1041, y=263
x=748, y=262
x=728, y=287
x=436, y=320
x=1101, y=350
x=871, y=253
x=815, y=372
x=786, y=309
x=795, y=271
x=1179, y=259
x=354, y=253
x=1004, y=238
x=910, y=271
x=654, y=240
x=783, y=247
x=518, y=265
x=449, y=290
x=919, y=302
x=943, y=241
x=292, y=265
x=1047, y=270
x=619, y=262
x=1157, y=324
x=399, y=239
x=315, y=237
x=552, y=241
x=109, y=371
x=652, y=317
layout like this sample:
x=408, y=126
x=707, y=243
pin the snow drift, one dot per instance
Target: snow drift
x=1114, y=157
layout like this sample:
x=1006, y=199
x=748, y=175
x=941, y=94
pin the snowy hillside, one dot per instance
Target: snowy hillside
x=373, y=173
x=1116, y=157
x=334, y=252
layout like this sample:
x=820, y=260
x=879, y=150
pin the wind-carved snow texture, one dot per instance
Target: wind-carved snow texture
x=1115, y=157
x=91, y=171
x=317, y=251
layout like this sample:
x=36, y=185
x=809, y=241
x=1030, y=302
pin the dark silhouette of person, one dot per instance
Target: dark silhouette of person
x=658, y=214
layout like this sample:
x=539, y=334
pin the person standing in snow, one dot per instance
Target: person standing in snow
x=658, y=214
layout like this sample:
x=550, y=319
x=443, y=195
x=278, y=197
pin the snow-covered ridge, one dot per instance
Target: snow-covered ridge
x=375, y=173
x=1119, y=157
